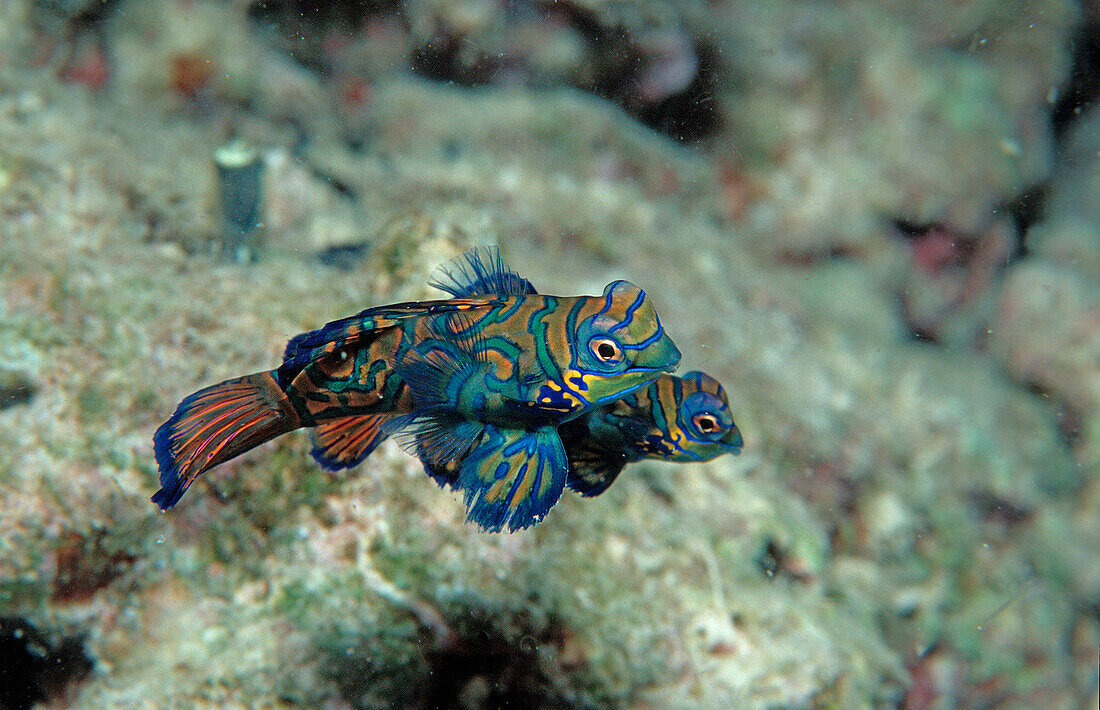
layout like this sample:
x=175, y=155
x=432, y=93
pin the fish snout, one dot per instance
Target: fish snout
x=664, y=355
x=733, y=441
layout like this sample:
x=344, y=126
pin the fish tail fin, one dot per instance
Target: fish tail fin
x=345, y=442
x=215, y=424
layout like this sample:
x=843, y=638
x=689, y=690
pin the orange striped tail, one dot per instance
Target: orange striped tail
x=215, y=424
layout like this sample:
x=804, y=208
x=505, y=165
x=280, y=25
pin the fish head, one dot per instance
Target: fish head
x=620, y=347
x=704, y=425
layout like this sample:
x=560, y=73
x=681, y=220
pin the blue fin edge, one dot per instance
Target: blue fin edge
x=480, y=272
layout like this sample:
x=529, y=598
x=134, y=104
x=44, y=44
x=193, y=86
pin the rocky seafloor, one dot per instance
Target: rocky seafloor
x=878, y=224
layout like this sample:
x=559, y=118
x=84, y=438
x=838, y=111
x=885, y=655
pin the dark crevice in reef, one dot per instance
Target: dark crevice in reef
x=35, y=667
x=441, y=59
x=344, y=257
x=474, y=659
x=667, y=81
x=1082, y=87
x=300, y=27
x=1079, y=91
x=1026, y=209
x=635, y=73
x=346, y=13
x=691, y=115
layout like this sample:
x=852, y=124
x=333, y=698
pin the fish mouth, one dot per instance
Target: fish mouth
x=733, y=441
x=663, y=356
x=638, y=369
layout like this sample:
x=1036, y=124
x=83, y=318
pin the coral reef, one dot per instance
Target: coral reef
x=1048, y=328
x=911, y=358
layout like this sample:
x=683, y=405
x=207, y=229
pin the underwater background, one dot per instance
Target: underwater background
x=876, y=222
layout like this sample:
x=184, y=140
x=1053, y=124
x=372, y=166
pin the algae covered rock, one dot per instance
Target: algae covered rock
x=908, y=521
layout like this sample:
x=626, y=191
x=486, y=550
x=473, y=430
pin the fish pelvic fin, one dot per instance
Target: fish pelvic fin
x=439, y=437
x=512, y=478
x=591, y=471
x=346, y=442
x=216, y=424
x=480, y=272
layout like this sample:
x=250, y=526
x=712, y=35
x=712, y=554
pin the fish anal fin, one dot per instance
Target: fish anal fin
x=344, y=443
x=592, y=472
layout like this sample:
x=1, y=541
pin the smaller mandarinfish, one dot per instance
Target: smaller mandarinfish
x=478, y=385
x=679, y=419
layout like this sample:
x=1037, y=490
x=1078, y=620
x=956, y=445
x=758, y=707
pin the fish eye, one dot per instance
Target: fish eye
x=706, y=423
x=606, y=350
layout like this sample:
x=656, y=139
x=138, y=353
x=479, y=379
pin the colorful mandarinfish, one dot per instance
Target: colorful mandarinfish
x=673, y=419
x=491, y=378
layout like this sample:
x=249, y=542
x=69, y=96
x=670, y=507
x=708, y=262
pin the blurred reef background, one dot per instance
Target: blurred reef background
x=877, y=222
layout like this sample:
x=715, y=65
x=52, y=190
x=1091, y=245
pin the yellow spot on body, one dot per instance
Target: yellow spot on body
x=678, y=439
x=571, y=399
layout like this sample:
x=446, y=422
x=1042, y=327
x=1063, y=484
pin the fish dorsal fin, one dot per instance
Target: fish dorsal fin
x=344, y=332
x=361, y=328
x=480, y=272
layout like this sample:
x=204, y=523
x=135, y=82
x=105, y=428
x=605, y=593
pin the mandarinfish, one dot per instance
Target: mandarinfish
x=680, y=419
x=479, y=385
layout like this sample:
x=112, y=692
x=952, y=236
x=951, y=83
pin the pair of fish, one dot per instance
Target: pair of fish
x=482, y=387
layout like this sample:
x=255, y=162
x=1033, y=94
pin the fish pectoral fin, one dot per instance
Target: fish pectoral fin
x=436, y=368
x=435, y=371
x=480, y=272
x=345, y=442
x=512, y=477
x=633, y=429
x=591, y=472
